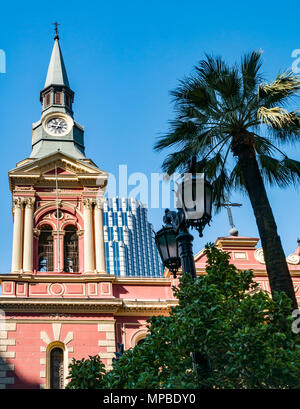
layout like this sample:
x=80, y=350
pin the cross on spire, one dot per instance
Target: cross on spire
x=56, y=24
x=233, y=231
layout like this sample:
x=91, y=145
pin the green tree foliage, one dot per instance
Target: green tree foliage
x=244, y=335
x=87, y=373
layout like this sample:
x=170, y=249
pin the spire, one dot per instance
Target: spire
x=57, y=128
x=57, y=74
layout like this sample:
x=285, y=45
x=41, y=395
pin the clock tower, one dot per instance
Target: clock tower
x=57, y=191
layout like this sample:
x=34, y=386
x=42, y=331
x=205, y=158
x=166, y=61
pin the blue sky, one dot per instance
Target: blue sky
x=122, y=59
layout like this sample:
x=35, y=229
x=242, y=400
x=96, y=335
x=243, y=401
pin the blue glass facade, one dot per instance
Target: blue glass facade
x=130, y=249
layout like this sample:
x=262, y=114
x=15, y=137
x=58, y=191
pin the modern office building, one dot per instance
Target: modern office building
x=130, y=249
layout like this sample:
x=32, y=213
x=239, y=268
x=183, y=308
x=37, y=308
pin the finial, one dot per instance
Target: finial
x=56, y=24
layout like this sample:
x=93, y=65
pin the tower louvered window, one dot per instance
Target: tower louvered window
x=68, y=103
x=45, y=251
x=58, y=98
x=57, y=368
x=71, y=250
x=47, y=99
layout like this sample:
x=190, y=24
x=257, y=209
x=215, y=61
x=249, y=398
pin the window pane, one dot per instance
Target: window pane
x=45, y=250
x=57, y=98
x=56, y=368
x=71, y=250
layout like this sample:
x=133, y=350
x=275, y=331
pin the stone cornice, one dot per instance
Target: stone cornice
x=133, y=307
x=115, y=306
x=60, y=305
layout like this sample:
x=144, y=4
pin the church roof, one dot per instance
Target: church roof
x=57, y=74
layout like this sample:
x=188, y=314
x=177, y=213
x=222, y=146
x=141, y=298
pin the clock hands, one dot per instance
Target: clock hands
x=57, y=125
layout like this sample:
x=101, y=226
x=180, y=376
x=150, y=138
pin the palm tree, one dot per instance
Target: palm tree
x=235, y=124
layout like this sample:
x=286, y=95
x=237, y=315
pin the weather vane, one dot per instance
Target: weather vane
x=56, y=24
x=233, y=231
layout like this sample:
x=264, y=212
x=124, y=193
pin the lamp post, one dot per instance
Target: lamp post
x=174, y=241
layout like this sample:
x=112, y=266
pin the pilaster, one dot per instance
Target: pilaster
x=28, y=235
x=17, y=235
x=89, y=259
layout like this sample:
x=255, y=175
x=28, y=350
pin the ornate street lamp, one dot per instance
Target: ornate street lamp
x=174, y=242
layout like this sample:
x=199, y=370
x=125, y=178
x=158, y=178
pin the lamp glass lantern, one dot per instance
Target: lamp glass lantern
x=194, y=196
x=167, y=245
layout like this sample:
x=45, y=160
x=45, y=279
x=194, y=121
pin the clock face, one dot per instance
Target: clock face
x=57, y=126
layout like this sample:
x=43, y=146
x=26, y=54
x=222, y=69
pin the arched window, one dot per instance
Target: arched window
x=45, y=251
x=56, y=368
x=71, y=250
x=140, y=341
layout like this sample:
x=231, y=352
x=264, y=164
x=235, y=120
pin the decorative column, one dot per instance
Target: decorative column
x=17, y=236
x=89, y=264
x=99, y=237
x=28, y=236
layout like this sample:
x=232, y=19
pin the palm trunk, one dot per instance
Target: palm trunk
x=277, y=269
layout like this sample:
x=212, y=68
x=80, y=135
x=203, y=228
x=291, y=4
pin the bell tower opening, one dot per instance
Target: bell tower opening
x=71, y=250
x=45, y=250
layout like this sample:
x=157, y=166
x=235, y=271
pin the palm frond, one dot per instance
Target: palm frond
x=285, y=85
x=293, y=167
x=219, y=77
x=192, y=91
x=236, y=179
x=220, y=186
x=177, y=161
x=210, y=166
x=180, y=132
x=263, y=145
x=276, y=117
x=250, y=66
x=274, y=171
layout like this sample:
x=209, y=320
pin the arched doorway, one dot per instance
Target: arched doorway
x=71, y=250
x=57, y=368
x=45, y=249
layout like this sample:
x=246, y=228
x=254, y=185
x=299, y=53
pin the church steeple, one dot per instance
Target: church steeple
x=57, y=129
x=57, y=92
x=57, y=74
